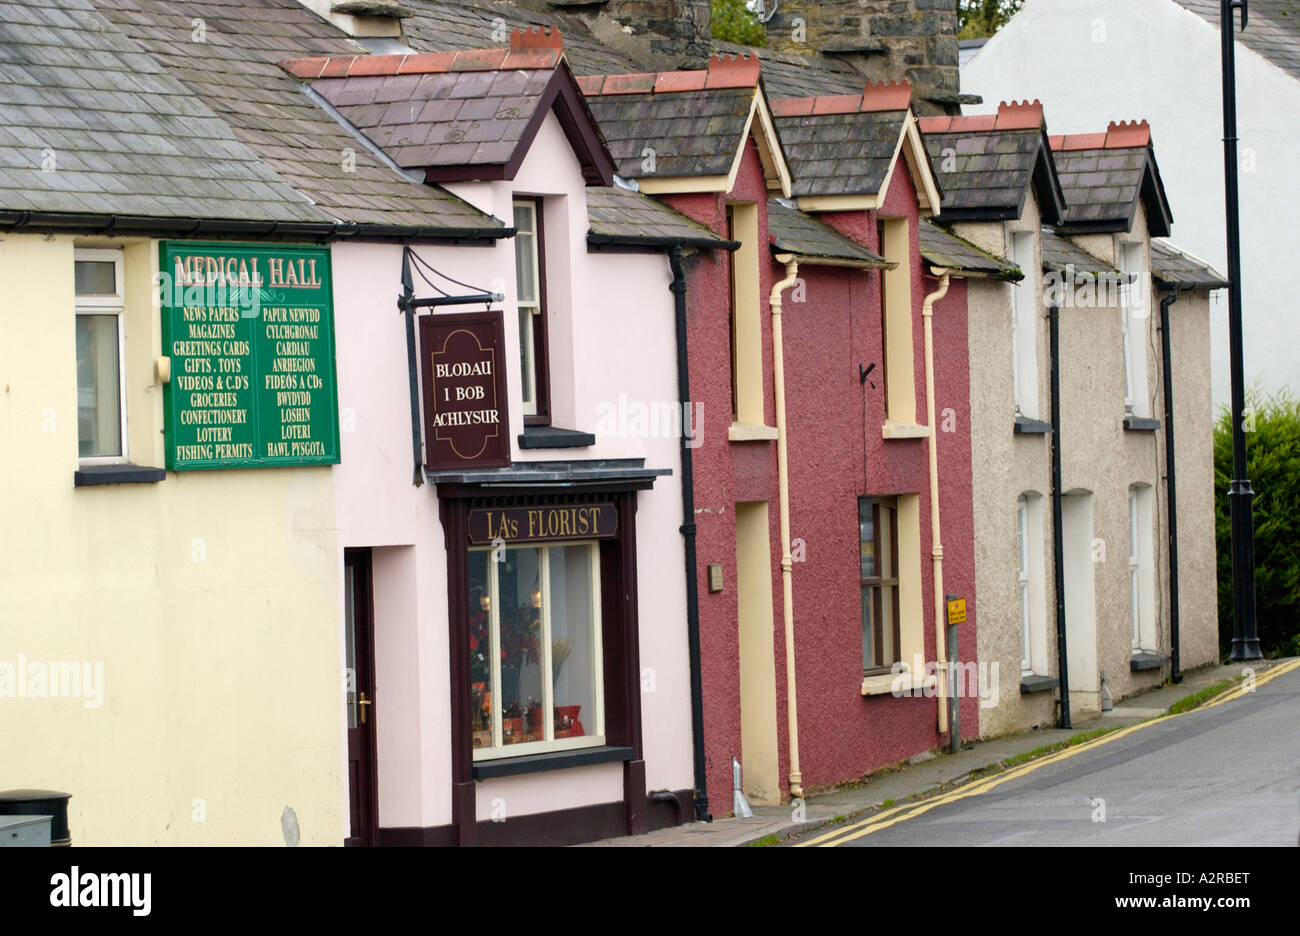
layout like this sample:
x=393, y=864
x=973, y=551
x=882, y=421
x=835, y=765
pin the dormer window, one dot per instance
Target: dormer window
x=530, y=280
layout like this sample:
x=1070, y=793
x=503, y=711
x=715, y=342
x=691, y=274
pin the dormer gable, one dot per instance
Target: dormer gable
x=466, y=115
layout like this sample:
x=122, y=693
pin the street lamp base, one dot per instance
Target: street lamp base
x=1243, y=650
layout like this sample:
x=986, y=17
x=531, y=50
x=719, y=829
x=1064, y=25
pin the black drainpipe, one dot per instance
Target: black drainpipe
x=678, y=287
x=1171, y=483
x=1058, y=545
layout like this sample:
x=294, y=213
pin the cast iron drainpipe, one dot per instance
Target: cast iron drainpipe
x=936, y=540
x=1058, y=543
x=678, y=287
x=1171, y=483
x=783, y=495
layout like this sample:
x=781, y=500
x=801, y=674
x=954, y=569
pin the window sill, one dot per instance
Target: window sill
x=743, y=432
x=1027, y=426
x=896, y=683
x=893, y=430
x=555, y=760
x=1140, y=424
x=1142, y=660
x=90, y=475
x=551, y=437
x=1029, y=683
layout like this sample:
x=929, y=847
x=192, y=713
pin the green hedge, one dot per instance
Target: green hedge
x=1273, y=466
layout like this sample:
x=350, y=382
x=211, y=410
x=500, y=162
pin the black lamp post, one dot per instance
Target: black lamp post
x=1245, y=642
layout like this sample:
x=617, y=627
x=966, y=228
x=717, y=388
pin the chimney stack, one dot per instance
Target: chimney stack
x=884, y=39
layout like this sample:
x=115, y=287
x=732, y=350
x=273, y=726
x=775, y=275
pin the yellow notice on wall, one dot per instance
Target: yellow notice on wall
x=956, y=610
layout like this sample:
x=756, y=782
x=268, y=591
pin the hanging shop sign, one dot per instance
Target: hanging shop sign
x=466, y=417
x=249, y=330
x=547, y=522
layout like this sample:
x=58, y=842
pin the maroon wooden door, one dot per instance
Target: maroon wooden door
x=359, y=687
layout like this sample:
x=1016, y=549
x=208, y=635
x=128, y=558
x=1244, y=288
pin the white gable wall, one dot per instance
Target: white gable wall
x=1093, y=61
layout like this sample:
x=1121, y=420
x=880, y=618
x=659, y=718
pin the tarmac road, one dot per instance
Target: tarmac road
x=1225, y=774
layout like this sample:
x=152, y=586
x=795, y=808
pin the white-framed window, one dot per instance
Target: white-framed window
x=536, y=664
x=101, y=353
x=1023, y=583
x=1031, y=584
x=1135, y=313
x=530, y=280
x=1141, y=569
x=1024, y=326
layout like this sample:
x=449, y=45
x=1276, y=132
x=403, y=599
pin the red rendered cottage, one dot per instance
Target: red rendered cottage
x=812, y=482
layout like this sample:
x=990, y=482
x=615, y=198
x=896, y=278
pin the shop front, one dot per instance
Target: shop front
x=544, y=646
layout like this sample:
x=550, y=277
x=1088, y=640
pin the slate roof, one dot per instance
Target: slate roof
x=791, y=74
x=235, y=71
x=942, y=248
x=1059, y=253
x=117, y=134
x=469, y=114
x=1174, y=267
x=1273, y=30
x=691, y=120
x=845, y=144
x=618, y=216
x=986, y=164
x=792, y=231
x=1105, y=175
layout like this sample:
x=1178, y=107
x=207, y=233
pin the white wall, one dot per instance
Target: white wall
x=1093, y=61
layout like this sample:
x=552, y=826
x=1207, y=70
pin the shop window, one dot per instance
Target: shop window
x=530, y=279
x=1141, y=569
x=536, y=664
x=1024, y=327
x=100, y=336
x=1135, y=317
x=896, y=322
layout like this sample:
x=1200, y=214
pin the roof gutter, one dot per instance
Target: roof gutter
x=810, y=260
x=142, y=226
x=665, y=242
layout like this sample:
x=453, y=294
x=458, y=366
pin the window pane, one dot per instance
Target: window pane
x=868, y=628
x=95, y=277
x=525, y=254
x=480, y=649
x=888, y=610
x=574, y=648
x=527, y=373
x=867, y=538
x=99, y=419
x=520, y=595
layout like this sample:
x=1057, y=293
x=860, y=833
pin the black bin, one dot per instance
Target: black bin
x=40, y=803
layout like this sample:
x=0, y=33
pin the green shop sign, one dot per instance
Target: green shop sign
x=250, y=333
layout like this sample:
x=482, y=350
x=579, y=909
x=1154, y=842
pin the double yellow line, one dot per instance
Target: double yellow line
x=897, y=814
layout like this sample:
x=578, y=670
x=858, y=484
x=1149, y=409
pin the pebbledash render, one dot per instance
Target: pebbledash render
x=1114, y=561
x=816, y=507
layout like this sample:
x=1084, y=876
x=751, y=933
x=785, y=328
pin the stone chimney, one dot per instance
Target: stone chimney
x=884, y=39
x=678, y=29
